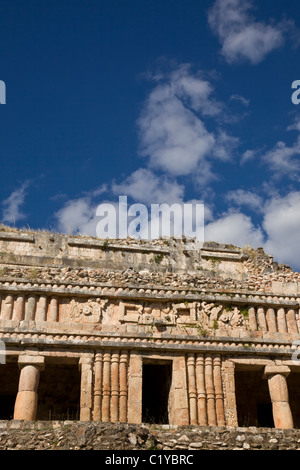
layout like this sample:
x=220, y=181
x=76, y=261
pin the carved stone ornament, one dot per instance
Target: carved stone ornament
x=87, y=311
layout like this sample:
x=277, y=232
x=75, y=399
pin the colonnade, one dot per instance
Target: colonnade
x=274, y=320
x=205, y=392
x=29, y=307
x=104, y=388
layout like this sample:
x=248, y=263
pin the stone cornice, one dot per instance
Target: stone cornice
x=150, y=293
x=246, y=346
x=94, y=243
x=17, y=236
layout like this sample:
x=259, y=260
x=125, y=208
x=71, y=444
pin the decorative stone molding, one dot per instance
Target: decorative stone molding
x=129, y=312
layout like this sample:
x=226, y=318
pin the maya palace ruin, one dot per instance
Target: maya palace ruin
x=166, y=332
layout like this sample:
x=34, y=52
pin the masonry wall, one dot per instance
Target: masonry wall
x=91, y=436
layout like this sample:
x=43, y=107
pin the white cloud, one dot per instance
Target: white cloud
x=240, y=99
x=77, y=216
x=283, y=160
x=11, y=206
x=146, y=187
x=243, y=37
x=245, y=198
x=172, y=131
x=176, y=142
x=247, y=156
x=296, y=125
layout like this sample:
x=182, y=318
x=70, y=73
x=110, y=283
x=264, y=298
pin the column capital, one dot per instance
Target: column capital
x=26, y=360
x=86, y=360
x=273, y=370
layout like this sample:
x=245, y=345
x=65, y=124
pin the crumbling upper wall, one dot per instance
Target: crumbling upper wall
x=173, y=262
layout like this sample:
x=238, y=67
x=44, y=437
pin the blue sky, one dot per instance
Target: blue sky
x=162, y=101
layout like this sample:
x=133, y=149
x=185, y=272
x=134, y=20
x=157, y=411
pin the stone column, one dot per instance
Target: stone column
x=27, y=397
x=18, y=312
x=192, y=389
x=114, y=401
x=7, y=307
x=252, y=319
x=281, y=319
x=291, y=321
x=98, y=366
x=210, y=392
x=106, y=388
x=30, y=310
x=85, y=364
x=261, y=319
x=278, y=389
x=53, y=311
x=41, y=310
x=219, y=391
x=123, y=386
x=271, y=320
x=201, y=395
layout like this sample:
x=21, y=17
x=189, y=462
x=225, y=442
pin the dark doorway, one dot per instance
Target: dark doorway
x=254, y=407
x=293, y=383
x=156, y=387
x=59, y=392
x=9, y=381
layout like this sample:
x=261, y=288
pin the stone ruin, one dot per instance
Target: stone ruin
x=168, y=332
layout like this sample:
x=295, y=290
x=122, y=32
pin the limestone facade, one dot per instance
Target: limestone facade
x=169, y=332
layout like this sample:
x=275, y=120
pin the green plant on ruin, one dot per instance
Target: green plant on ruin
x=245, y=313
x=215, y=325
x=189, y=325
x=158, y=258
x=104, y=246
x=214, y=261
x=247, y=345
x=150, y=330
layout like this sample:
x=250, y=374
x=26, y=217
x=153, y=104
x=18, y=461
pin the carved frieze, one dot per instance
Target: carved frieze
x=89, y=311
